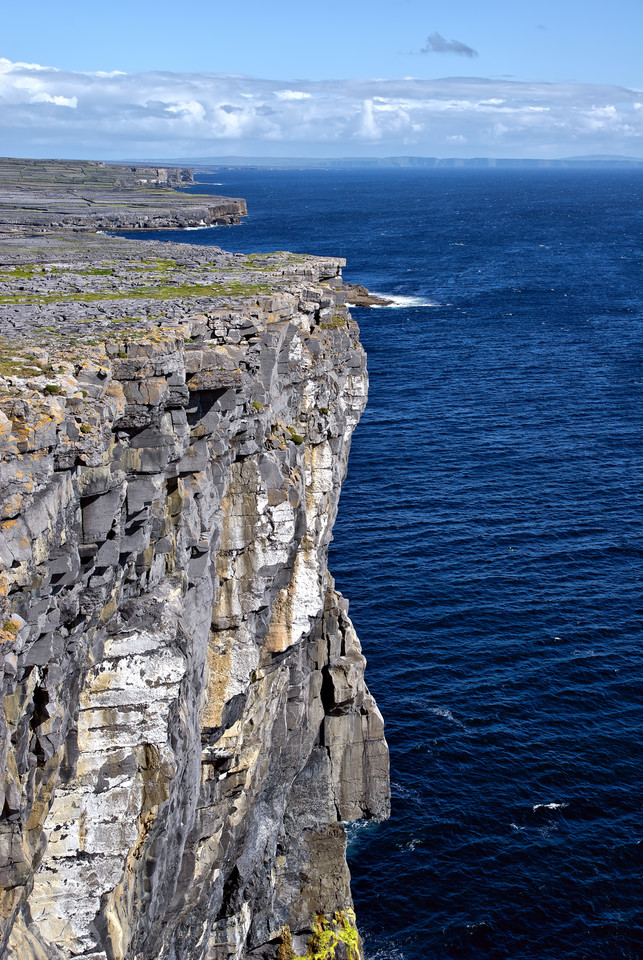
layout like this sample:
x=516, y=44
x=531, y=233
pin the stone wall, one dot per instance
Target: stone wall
x=185, y=721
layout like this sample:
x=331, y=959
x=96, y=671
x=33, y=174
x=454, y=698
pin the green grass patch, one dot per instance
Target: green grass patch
x=337, y=321
x=95, y=272
x=16, y=360
x=19, y=273
x=294, y=436
x=180, y=291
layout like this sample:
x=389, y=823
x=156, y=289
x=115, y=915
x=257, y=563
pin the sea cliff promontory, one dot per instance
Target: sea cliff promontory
x=50, y=196
x=185, y=722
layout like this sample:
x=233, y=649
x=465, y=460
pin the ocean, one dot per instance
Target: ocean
x=490, y=540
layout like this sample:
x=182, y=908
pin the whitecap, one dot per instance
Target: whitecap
x=399, y=302
x=549, y=806
x=398, y=790
x=411, y=845
x=443, y=712
x=548, y=830
x=355, y=828
x=382, y=953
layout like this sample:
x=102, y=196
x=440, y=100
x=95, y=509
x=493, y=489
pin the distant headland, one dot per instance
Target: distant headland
x=598, y=161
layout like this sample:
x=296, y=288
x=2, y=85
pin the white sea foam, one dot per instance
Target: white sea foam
x=355, y=828
x=411, y=845
x=443, y=712
x=549, y=806
x=381, y=953
x=202, y=226
x=548, y=830
x=398, y=790
x=401, y=302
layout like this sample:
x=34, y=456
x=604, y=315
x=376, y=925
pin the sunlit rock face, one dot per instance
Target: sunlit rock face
x=185, y=721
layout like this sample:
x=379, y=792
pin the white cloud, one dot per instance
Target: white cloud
x=44, y=97
x=6, y=66
x=292, y=95
x=368, y=128
x=173, y=115
x=192, y=109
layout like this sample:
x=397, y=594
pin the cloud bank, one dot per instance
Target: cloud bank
x=50, y=112
x=436, y=43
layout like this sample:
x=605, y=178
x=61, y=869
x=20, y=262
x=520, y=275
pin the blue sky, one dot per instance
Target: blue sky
x=332, y=79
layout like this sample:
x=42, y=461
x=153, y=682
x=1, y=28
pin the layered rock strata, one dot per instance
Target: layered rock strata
x=50, y=196
x=185, y=723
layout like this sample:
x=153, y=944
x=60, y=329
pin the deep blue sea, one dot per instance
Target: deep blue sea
x=490, y=539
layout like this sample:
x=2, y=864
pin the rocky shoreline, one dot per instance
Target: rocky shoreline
x=359, y=296
x=185, y=721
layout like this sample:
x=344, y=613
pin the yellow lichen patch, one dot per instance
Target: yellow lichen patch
x=327, y=935
x=8, y=526
x=9, y=630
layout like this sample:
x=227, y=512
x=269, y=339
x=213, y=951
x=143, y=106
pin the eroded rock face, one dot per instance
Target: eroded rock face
x=185, y=721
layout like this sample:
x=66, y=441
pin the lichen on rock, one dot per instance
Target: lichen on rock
x=185, y=721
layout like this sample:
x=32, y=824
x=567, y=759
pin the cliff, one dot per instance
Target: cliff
x=50, y=196
x=185, y=721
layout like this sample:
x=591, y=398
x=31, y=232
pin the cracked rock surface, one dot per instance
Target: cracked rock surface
x=185, y=722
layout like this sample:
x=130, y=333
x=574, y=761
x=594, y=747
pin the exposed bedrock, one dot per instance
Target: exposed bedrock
x=185, y=721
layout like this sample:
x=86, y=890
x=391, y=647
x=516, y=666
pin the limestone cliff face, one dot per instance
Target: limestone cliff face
x=185, y=721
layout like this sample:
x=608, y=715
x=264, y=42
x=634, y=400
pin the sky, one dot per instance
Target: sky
x=448, y=78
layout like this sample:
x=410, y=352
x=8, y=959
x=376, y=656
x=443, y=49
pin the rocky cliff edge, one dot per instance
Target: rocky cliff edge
x=185, y=721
